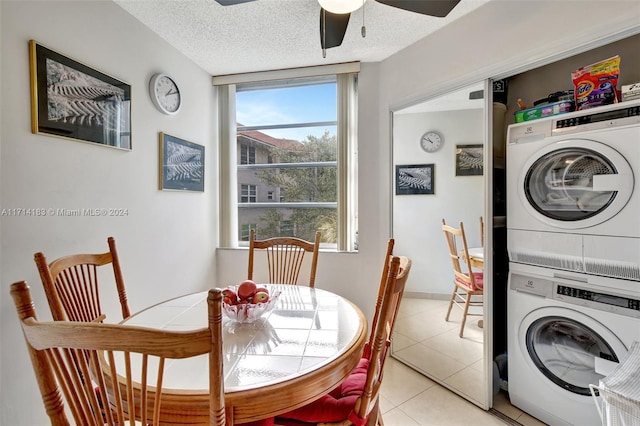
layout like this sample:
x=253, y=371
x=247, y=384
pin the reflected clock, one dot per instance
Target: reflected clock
x=431, y=141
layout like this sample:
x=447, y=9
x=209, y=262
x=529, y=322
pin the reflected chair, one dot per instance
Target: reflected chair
x=467, y=284
x=72, y=288
x=65, y=354
x=285, y=257
x=356, y=400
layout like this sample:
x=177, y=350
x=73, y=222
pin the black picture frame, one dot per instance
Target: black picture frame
x=415, y=179
x=469, y=160
x=72, y=100
x=181, y=164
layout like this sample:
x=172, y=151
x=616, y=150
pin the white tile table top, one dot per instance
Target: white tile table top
x=476, y=252
x=308, y=328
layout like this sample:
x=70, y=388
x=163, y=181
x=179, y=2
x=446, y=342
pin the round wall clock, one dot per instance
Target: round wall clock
x=165, y=93
x=431, y=141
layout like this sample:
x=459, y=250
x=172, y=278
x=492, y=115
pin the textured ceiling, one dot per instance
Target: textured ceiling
x=276, y=34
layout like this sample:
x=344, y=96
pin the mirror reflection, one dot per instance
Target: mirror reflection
x=437, y=156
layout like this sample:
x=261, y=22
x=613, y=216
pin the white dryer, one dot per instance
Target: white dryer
x=564, y=333
x=573, y=192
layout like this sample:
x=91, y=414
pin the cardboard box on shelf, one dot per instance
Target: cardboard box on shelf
x=544, y=111
x=631, y=92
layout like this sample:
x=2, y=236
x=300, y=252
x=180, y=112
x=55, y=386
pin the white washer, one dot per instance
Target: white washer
x=564, y=331
x=573, y=191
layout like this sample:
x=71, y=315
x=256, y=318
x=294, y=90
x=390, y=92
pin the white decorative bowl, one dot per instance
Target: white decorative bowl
x=250, y=312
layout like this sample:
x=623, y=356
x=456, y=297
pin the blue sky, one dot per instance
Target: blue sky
x=287, y=106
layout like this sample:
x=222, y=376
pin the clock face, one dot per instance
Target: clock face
x=431, y=141
x=165, y=94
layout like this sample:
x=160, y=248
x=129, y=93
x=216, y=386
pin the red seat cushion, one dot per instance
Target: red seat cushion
x=479, y=279
x=338, y=404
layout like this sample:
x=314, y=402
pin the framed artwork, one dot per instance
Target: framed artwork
x=415, y=179
x=75, y=101
x=181, y=164
x=469, y=160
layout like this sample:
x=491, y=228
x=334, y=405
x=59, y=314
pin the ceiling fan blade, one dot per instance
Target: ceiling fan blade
x=333, y=26
x=437, y=8
x=232, y=2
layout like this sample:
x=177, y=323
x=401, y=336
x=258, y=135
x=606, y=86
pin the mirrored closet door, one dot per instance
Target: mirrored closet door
x=438, y=151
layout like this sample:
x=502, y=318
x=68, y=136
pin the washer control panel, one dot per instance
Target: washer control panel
x=575, y=294
x=598, y=300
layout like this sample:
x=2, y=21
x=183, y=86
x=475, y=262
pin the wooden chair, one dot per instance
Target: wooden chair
x=466, y=283
x=481, y=231
x=74, y=364
x=71, y=284
x=356, y=400
x=284, y=257
x=381, y=288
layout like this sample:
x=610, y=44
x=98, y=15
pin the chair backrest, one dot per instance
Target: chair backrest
x=71, y=284
x=457, y=245
x=75, y=363
x=396, y=279
x=481, y=231
x=381, y=287
x=285, y=257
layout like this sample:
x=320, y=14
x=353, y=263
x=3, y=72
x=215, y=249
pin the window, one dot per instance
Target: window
x=248, y=194
x=246, y=230
x=247, y=154
x=286, y=228
x=296, y=159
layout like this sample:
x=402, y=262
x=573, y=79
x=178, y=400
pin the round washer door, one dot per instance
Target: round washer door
x=575, y=183
x=561, y=345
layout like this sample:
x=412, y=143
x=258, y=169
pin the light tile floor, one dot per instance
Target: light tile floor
x=409, y=398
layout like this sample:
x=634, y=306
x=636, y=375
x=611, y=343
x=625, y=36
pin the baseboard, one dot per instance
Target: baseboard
x=423, y=295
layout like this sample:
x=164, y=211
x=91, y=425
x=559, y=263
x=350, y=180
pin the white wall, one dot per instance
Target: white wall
x=167, y=240
x=417, y=218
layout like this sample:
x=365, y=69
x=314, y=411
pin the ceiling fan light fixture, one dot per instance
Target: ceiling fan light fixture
x=341, y=6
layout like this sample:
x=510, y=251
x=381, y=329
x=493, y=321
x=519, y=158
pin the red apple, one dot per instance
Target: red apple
x=262, y=288
x=246, y=289
x=231, y=295
x=260, y=297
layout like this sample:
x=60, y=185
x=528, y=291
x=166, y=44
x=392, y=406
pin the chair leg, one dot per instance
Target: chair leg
x=464, y=314
x=453, y=296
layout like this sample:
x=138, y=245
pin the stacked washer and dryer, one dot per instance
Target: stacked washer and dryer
x=573, y=237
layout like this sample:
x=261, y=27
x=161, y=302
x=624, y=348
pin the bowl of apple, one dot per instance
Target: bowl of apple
x=247, y=302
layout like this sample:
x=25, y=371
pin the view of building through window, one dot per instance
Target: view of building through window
x=287, y=159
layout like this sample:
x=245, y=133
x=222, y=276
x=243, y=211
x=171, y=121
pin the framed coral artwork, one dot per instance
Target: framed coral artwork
x=469, y=160
x=415, y=179
x=181, y=164
x=72, y=100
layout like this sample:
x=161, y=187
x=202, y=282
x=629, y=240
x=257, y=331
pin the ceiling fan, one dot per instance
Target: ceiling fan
x=334, y=15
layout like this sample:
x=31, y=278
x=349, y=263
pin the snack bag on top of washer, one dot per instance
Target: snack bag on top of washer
x=596, y=84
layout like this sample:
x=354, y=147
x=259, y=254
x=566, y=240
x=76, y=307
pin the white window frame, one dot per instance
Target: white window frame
x=346, y=134
x=250, y=192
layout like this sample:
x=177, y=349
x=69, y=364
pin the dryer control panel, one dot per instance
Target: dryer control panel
x=587, y=120
x=603, y=117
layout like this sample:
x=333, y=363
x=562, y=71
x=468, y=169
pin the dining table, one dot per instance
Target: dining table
x=476, y=257
x=306, y=346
